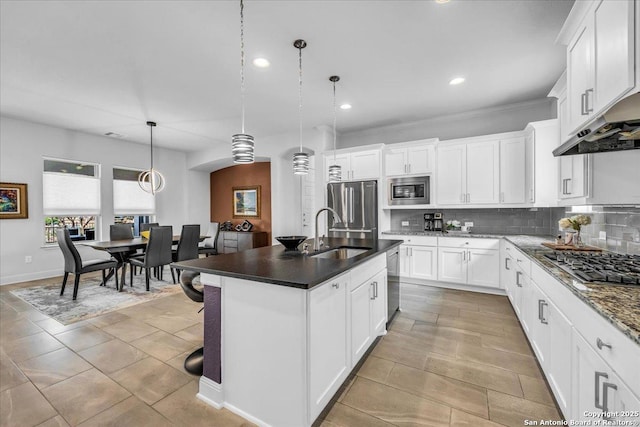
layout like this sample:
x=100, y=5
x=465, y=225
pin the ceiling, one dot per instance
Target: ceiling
x=109, y=66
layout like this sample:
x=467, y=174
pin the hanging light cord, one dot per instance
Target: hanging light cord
x=334, y=122
x=151, y=147
x=300, y=93
x=242, y=61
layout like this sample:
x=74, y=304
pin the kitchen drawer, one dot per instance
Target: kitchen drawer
x=367, y=270
x=230, y=235
x=230, y=243
x=421, y=240
x=522, y=261
x=623, y=355
x=469, y=242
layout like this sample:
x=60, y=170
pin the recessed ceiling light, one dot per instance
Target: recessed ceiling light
x=345, y=106
x=442, y=1
x=456, y=81
x=261, y=62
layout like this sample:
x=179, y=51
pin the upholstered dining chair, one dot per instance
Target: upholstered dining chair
x=209, y=246
x=187, y=245
x=73, y=262
x=146, y=226
x=122, y=232
x=158, y=253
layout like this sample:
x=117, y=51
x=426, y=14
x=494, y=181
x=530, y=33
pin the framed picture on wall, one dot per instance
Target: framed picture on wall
x=246, y=202
x=13, y=201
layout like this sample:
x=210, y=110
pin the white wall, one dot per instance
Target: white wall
x=22, y=146
x=487, y=121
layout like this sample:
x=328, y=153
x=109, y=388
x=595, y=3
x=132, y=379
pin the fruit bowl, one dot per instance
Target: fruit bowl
x=291, y=242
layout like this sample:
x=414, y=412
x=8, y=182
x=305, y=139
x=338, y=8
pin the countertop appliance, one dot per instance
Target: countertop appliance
x=409, y=191
x=356, y=203
x=617, y=129
x=433, y=221
x=393, y=283
x=599, y=267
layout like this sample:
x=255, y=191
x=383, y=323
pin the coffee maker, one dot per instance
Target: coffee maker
x=433, y=221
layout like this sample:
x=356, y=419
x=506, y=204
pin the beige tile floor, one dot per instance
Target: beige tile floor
x=451, y=358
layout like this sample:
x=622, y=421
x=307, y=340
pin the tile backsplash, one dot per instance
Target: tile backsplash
x=620, y=223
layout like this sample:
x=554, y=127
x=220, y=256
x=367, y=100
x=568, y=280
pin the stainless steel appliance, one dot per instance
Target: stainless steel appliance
x=599, y=267
x=617, y=129
x=409, y=191
x=433, y=221
x=393, y=283
x=356, y=203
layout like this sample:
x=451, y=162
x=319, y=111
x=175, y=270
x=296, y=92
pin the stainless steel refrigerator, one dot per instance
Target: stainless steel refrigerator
x=357, y=204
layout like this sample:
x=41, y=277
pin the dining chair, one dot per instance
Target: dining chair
x=146, y=226
x=209, y=246
x=158, y=253
x=122, y=232
x=73, y=262
x=187, y=245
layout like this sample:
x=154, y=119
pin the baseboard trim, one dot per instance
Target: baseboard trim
x=27, y=277
x=211, y=393
x=457, y=286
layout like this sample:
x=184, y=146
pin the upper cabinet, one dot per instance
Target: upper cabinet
x=513, y=176
x=600, y=57
x=415, y=158
x=356, y=165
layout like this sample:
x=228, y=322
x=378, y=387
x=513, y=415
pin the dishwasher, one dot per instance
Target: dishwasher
x=393, y=283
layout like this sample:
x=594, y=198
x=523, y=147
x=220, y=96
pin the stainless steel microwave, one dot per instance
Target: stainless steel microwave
x=409, y=191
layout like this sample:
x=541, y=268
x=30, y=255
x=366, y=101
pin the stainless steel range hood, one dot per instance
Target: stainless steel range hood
x=617, y=129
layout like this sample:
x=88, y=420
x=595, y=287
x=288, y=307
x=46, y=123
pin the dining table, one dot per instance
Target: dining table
x=120, y=249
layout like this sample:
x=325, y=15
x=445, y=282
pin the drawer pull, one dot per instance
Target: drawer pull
x=335, y=285
x=541, y=304
x=518, y=274
x=506, y=263
x=597, y=389
x=601, y=344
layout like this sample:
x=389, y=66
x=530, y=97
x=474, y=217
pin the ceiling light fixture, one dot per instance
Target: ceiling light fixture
x=151, y=180
x=442, y=1
x=335, y=171
x=261, y=62
x=300, y=159
x=456, y=81
x=242, y=143
x=345, y=106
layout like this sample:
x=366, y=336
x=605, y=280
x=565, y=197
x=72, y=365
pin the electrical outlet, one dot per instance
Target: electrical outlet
x=28, y=259
x=468, y=224
x=602, y=235
x=405, y=223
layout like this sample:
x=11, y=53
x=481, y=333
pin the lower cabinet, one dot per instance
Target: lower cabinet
x=328, y=355
x=368, y=304
x=469, y=261
x=421, y=262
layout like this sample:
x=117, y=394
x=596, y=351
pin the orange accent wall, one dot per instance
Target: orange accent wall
x=221, y=184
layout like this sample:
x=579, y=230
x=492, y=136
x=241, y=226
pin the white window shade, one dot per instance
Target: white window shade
x=130, y=199
x=70, y=194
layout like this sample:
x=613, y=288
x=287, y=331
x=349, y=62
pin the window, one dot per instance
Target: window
x=128, y=198
x=71, y=198
x=134, y=220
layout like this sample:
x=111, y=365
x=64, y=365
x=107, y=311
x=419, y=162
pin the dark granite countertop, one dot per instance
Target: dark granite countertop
x=272, y=264
x=619, y=304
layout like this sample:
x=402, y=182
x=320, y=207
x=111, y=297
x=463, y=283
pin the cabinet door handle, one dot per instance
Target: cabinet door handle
x=375, y=289
x=541, y=304
x=605, y=397
x=464, y=255
x=601, y=344
x=588, y=109
x=597, y=389
x=568, y=181
x=405, y=168
x=506, y=263
x=372, y=291
x=564, y=186
x=518, y=274
x=469, y=257
x=583, y=102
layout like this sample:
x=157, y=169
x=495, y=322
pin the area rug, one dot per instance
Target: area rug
x=93, y=299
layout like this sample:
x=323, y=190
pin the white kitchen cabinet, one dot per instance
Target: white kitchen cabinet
x=507, y=271
x=379, y=303
x=580, y=75
x=469, y=261
x=468, y=173
x=328, y=355
x=513, y=174
x=573, y=176
x=413, y=160
x=356, y=165
x=423, y=262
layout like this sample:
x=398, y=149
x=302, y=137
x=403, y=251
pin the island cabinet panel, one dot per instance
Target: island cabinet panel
x=361, y=334
x=328, y=355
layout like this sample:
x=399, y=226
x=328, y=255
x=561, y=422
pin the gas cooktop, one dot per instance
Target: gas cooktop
x=599, y=266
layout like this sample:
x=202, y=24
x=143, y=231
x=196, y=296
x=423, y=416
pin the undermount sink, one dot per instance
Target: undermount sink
x=341, y=253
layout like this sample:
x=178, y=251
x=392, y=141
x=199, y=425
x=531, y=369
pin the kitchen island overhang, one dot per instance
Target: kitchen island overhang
x=283, y=330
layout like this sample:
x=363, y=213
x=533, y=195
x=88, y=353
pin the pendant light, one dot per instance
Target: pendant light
x=242, y=143
x=300, y=159
x=151, y=180
x=335, y=171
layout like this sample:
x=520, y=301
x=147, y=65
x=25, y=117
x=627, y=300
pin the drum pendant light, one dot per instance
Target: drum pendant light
x=335, y=171
x=242, y=143
x=151, y=180
x=300, y=159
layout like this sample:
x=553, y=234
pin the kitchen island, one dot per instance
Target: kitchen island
x=283, y=330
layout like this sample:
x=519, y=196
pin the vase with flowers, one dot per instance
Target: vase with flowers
x=573, y=225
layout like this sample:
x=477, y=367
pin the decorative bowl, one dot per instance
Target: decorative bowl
x=291, y=242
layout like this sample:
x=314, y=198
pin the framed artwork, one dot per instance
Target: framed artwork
x=13, y=201
x=246, y=202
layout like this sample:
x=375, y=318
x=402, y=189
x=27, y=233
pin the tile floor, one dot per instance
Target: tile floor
x=451, y=358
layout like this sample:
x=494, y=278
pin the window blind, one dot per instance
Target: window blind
x=128, y=197
x=70, y=194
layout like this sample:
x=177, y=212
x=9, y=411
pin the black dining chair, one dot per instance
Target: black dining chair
x=158, y=253
x=187, y=245
x=146, y=226
x=209, y=246
x=193, y=362
x=73, y=262
x=122, y=232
